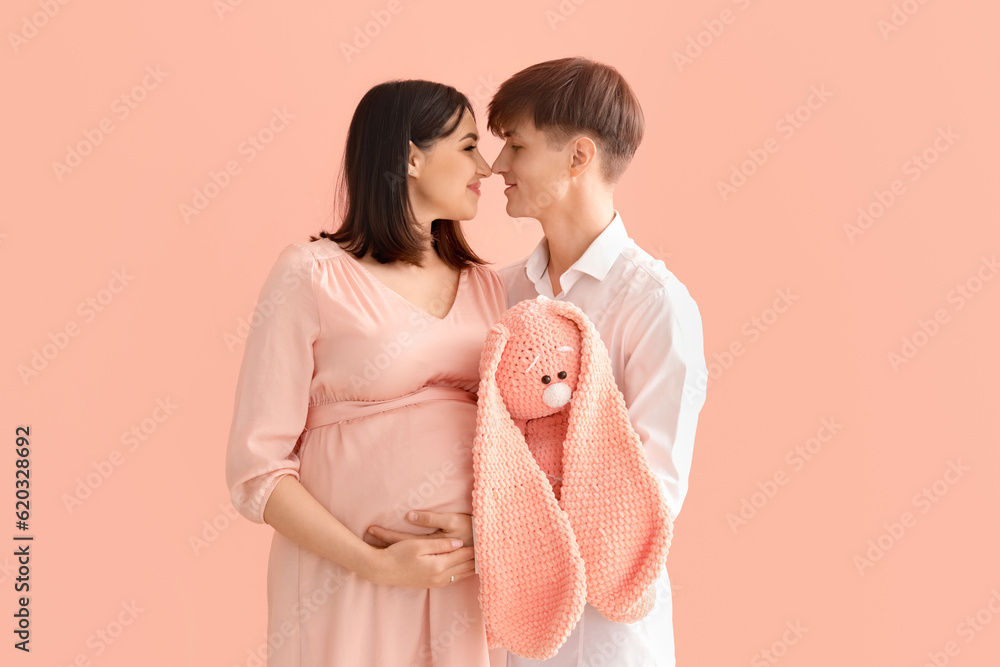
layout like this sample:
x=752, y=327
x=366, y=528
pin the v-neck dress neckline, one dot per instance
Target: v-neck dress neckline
x=373, y=278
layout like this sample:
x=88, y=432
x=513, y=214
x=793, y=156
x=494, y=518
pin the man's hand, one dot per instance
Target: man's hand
x=446, y=524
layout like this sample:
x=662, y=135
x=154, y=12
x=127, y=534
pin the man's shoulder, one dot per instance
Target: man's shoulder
x=649, y=275
x=512, y=268
x=513, y=272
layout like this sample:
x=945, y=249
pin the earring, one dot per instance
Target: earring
x=413, y=173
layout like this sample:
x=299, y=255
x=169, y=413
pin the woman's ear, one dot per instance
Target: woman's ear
x=415, y=161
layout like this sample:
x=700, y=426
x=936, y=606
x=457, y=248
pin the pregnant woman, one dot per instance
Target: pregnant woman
x=355, y=402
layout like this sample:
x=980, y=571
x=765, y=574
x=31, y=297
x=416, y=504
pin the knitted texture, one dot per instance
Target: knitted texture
x=549, y=408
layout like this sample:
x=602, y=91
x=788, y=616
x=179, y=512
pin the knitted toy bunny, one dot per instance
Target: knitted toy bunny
x=565, y=507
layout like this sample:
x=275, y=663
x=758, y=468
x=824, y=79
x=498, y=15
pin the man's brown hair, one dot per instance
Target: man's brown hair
x=571, y=96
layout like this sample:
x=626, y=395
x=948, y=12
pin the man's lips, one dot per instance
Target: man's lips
x=510, y=187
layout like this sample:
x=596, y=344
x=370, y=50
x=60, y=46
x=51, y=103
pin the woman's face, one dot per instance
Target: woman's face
x=444, y=180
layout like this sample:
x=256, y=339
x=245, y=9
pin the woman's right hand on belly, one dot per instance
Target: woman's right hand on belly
x=420, y=563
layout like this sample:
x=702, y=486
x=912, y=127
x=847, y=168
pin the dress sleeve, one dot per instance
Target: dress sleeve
x=499, y=292
x=272, y=392
x=665, y=382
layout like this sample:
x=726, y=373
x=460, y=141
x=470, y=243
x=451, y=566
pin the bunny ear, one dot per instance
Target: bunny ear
x=615, y=504
x=532, y=581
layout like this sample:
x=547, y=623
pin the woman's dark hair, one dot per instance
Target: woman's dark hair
x=377, y=215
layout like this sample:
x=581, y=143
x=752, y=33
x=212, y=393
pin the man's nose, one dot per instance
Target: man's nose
x=498, y=167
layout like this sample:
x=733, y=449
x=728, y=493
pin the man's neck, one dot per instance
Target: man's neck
x=571, y=231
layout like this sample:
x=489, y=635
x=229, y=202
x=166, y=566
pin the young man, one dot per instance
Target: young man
x=571, y=128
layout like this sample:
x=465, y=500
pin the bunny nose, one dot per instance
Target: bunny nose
x=557, y=395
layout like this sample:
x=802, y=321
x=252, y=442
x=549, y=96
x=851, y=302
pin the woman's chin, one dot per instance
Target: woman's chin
x=462, y=213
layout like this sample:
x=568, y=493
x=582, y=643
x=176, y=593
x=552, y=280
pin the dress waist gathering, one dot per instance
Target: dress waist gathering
x=340, y=411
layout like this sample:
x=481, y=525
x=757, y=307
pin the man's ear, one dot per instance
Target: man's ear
x=583, y=154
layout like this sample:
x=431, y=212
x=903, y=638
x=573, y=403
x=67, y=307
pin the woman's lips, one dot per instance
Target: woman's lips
x=475, y=188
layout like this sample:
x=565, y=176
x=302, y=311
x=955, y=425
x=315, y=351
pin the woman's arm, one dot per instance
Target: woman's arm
x=419, y=563
x=270, y=410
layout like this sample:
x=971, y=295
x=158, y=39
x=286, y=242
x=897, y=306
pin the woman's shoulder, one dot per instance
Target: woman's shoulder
x=297, y=262
x=301, y=254
x=322, y=248
x=483, y=273
x=490, y=285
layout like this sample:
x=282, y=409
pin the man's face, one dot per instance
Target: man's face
x=536, y=174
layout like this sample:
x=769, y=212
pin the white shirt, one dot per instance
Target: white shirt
x=652, y=329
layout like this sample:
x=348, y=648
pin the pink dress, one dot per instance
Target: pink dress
x=370, y=402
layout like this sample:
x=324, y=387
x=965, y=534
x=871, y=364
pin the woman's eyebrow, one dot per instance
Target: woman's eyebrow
x=470, y=135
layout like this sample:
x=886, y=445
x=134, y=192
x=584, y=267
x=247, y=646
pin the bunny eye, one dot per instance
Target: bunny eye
x=546, y=379
x=562, y=375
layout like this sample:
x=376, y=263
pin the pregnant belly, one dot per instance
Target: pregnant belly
x=375, y=469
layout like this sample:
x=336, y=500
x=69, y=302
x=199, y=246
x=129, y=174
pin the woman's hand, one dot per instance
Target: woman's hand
x=420, y=563
x=447, y=524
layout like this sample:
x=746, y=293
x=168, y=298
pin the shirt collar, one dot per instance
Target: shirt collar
x=596, y=260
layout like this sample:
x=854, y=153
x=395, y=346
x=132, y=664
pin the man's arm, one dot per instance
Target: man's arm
x=664, y=384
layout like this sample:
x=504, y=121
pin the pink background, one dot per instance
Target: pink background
x=168, y=329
